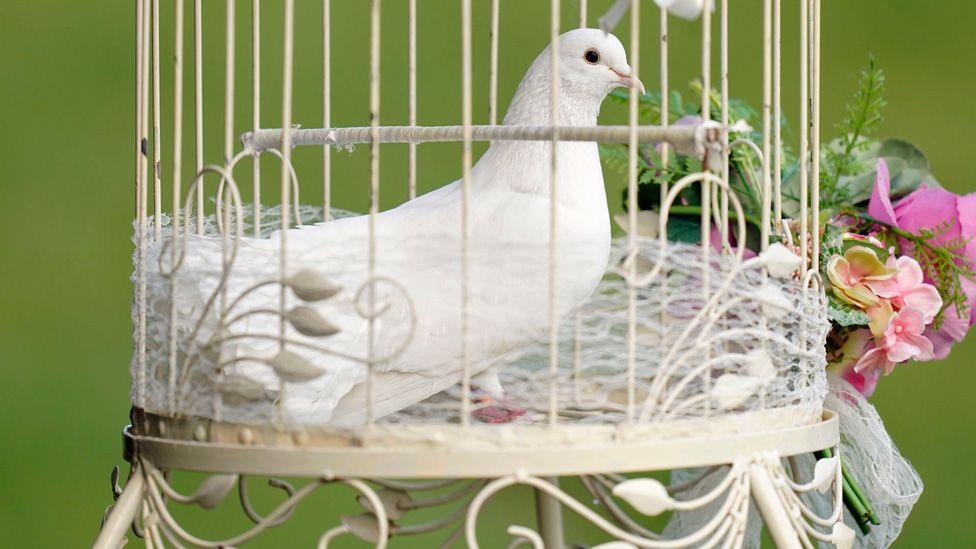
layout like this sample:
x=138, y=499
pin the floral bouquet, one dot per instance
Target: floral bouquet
x=897, y=255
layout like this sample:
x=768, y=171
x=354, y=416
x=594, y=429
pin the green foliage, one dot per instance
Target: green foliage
x=944, y=264
x=844, y=314
x=848, y=162
x=847, y=179
x=654, y=169
x=863, y=118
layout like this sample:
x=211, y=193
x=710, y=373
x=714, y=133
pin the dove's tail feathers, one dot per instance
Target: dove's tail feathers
x=392, y=391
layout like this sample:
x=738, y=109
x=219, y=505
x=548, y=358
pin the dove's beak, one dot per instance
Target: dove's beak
x=626, y=79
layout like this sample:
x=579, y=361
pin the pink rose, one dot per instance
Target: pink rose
x=931, y=208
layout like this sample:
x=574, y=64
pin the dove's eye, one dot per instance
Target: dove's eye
x=591, y=56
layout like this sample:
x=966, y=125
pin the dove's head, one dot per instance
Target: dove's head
x=594, y=61
x=591, y=63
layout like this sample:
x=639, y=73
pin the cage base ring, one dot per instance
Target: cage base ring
x=447, y=451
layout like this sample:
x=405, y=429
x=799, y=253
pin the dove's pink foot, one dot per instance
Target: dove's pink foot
x=497, y=410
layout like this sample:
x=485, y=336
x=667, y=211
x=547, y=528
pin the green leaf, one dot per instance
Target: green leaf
x=681, y=229
x=832, y=242
x=844, y=314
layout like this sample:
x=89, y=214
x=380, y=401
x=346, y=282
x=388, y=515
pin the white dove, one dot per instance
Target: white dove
x=418, y=244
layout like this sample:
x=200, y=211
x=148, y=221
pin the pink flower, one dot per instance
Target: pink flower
x=715, y=240
x=842, y=363
x=931, y=208
x=902, y=340
x=907, y=288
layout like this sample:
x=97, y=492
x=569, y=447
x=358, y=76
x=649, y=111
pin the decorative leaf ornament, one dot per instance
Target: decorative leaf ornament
x=646, y=495
x=823, y=473
x=774, y=303
x=237, y=389
x=842, y=536
x=213, y=490
x=731, y=390
x=309, y=322
x=395, y=502
x=780, y=261
x=311, y=286
x=760, y=365
x=294, y=368
x=685, y=9
x=648, y=223
x=362, y=526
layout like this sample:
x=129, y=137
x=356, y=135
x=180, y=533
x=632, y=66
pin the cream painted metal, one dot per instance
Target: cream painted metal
x=437, y=463
x=467, y=452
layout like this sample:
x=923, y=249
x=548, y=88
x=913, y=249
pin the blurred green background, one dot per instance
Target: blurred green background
x=66, y=193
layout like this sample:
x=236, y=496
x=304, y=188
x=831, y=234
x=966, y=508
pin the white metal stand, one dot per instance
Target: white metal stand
x=754, y=471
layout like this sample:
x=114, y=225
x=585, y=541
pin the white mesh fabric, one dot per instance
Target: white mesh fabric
x=759, y=362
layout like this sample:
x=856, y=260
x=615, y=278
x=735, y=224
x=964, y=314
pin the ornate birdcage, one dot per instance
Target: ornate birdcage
x=399, y=353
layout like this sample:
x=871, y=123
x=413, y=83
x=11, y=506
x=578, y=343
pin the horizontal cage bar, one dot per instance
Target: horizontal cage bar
x=683, y=138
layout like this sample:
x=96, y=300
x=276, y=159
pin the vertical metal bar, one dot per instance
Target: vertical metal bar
x=549, y=511
x=198, y=101
x=225, y=205
x=578, y=321
x=144, y=117
x=772, y=509
x=256, y=110
x=374, y=183
x=804, y=133
x=144, y=185
x=724, y=61
x=706, y=186
x=777, y=164
x=553, y=207
x=493, y=66
x=766, y=182
x=177, y=192
x=157, y=146
x=123, y=512
x=286, y=98
x=412, y=92
x=466, y=119
x=549, y=516
x=767, y=96
x=229, y=84
x=815, y=138
x=327, y=107
x=140, y=216
x=632, y=146
x=665, y=153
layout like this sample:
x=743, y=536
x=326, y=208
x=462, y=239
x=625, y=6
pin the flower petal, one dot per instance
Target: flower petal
x=928, y=209
x=966, y=207
x=880, y=317
x=875, y=359
x=887, y=289
x=901, y=351
x=952, y=331
x=838, y=271
x=912, y=320
x=864, y=262
x=880, y=206
x=861, y=296
x=926, y=299
x=865, y=381
x=926, y=350
x=909, y=272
